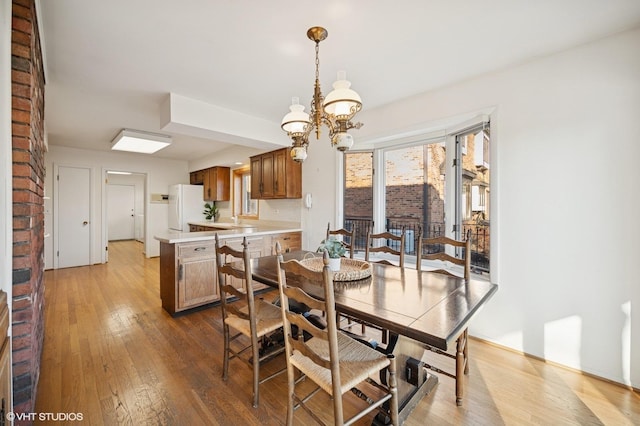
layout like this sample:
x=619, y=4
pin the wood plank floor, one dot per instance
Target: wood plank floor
x=113, y=354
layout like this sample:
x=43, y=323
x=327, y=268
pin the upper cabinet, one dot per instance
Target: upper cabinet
x=197, y=177
x=215, y=181
x=275, y=175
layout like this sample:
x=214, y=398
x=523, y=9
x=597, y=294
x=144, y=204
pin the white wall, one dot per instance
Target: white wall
x=564, y=224
x=160, y=174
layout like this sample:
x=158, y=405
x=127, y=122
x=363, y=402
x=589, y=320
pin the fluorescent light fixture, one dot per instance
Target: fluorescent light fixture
x=137, y=141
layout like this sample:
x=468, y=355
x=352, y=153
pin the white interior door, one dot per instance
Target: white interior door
x=121, y=212
x=73, y=216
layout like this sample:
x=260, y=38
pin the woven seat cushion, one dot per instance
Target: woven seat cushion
x=268, y=319
x=357, y=362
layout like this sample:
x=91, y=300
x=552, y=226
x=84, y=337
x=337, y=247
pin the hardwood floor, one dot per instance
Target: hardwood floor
x=113, y=354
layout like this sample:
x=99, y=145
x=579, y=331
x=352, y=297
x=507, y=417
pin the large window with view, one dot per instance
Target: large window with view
x=438, y=187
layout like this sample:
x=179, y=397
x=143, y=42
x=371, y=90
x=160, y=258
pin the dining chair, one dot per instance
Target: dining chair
x=247, y=316
x=350, y=245
x=442, y=250
x=332, y=360
x=383, y=240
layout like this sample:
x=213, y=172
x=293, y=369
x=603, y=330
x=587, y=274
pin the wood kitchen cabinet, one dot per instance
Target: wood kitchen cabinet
x=197, y=177
x=216, y=183
x=188, y=275
x=256, y=246
x=289, y=241
x=275, y=175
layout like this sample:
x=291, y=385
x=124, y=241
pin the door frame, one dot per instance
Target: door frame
x=56, y=210
x=105, y=218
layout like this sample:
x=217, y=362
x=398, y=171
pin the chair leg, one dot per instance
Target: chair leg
x=290, y=391
x=225, y=363
x=393, y=403
x=460, y=361
x=256, y=372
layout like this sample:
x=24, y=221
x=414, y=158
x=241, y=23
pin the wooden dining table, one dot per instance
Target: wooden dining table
x=420, y=307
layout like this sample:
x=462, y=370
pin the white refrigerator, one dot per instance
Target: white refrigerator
x=186, y=203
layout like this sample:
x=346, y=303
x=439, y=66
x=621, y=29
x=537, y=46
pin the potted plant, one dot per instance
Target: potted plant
x=335, y=249
x=211, y=211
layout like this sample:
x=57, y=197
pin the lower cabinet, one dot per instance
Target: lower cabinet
x=188, y=274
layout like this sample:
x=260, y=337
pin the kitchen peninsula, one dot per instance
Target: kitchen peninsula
x=188, y=274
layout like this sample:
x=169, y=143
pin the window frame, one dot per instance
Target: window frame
x=238, y=175
x=453, y=185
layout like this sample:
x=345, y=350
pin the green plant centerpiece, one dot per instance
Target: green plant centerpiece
x=211, y=211
x=336, y=251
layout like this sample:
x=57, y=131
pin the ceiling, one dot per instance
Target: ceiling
x=112, y=64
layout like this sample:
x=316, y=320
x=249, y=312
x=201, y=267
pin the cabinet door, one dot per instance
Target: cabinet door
x=268, y=176
x=280, y=173
x=217, y=184
x=256, y=177
x=197, y=177
x=196, y=282
x=289, y=241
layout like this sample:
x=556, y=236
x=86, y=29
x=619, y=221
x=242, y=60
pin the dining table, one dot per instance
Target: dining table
x=421, y=309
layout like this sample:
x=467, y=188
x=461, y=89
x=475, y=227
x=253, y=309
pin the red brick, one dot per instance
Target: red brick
x=23, y=117
x=21, y=104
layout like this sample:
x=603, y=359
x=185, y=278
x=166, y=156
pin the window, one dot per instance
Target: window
x=439, y=184
x=358, y=195
x=243, y=204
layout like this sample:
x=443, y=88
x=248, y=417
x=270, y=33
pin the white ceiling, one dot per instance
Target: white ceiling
x=110, y=64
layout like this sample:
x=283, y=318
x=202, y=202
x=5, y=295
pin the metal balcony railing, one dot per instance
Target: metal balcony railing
x=480, y=236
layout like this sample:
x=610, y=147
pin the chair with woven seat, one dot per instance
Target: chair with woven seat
x=388, y=240
x=332, y=360
x=442, y=250
x=247, y=316
x=350, y=235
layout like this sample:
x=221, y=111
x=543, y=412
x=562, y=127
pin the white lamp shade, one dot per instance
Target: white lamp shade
x=298, y=153
x=343, y=141
x=296, y=120
x=342, y=100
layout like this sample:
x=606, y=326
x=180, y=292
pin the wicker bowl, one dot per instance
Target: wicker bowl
x=350, y=269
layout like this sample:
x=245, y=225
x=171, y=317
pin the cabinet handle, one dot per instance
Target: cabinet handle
x=276, y=185
x=199, y=248
x=286, y=238
x=180, y=272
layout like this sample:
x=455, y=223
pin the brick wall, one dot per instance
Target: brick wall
x=28, y=213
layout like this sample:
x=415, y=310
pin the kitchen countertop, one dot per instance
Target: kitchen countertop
x=241, y=230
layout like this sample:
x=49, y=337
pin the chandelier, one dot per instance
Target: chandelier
x=335, y=111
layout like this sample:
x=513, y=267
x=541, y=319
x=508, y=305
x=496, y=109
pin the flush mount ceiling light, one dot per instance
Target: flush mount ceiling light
x=137, y=141
x=336, y=110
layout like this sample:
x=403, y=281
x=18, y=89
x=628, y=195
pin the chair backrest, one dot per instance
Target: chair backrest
x=441, y=244
x=324, y=280
x=234, y=279
x=345, y=234
x=385, y=248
